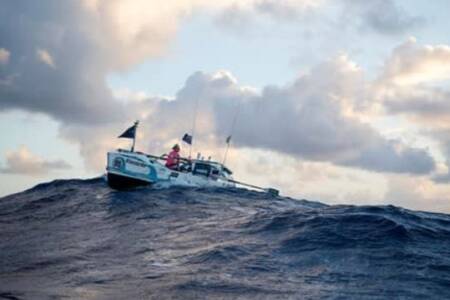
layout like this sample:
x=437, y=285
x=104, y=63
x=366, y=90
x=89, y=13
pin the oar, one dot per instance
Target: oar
x=270, y=191
x=162, y=157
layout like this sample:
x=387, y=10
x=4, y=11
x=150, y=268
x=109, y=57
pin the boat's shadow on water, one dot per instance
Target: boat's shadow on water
x=81, y=239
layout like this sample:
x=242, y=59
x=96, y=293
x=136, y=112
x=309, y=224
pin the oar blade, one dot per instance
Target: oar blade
x=273, y=192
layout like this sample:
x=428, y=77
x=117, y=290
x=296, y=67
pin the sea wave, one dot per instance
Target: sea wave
x=80, y=239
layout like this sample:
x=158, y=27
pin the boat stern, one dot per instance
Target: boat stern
x=126, y=169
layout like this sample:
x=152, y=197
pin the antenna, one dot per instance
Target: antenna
x=193, y=126
x=233, y=124
x=135, y=133
x=226, y=151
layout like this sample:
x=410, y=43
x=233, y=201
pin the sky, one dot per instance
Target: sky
x=340, y=101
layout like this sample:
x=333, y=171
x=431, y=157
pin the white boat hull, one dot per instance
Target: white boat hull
x=127, y=169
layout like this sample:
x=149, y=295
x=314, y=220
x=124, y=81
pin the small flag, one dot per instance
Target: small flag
x=130, y=133
x=228, y=139
x=187, y=139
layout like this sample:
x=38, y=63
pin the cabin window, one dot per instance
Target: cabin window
x=215, y=174
x=201, y=169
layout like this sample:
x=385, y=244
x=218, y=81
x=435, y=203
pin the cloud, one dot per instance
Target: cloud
x=414, y=84
x=411, y=63
x=443, y=138
x=235, y=19
x=425, y=105
x=81, y=46
x=24, y=162
x=242, y=17
x=427, y=109
x=73, y=92
x=45, y=57
x=385, y=17
x=382, y=16
x=285, y=9
x=308, y=120
x=4, y=56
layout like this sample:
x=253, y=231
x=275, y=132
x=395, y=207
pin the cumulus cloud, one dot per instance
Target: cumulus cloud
x=432, y=116
x=4, y=56
x=411, y=63
x=23, y=161
x=82, y=46
x=73, y=41
x=424, y=105
x=443, y=138
x=414, y=84
x=308, y=120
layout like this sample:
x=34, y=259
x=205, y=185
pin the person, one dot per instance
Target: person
x=173, y=159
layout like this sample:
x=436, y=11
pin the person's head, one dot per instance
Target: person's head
x=176, y=147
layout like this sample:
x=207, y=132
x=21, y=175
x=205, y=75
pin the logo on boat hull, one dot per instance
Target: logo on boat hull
x=118, y=163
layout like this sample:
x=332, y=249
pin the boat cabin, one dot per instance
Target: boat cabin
x=210, y=169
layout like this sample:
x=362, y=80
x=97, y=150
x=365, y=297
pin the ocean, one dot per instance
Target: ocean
x=79, y=239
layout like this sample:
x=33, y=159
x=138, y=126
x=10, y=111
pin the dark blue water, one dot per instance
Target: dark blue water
x=78, y=239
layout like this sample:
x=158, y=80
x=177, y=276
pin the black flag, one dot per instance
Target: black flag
x=130, y=133
x=187, y=138
x=228, y=139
